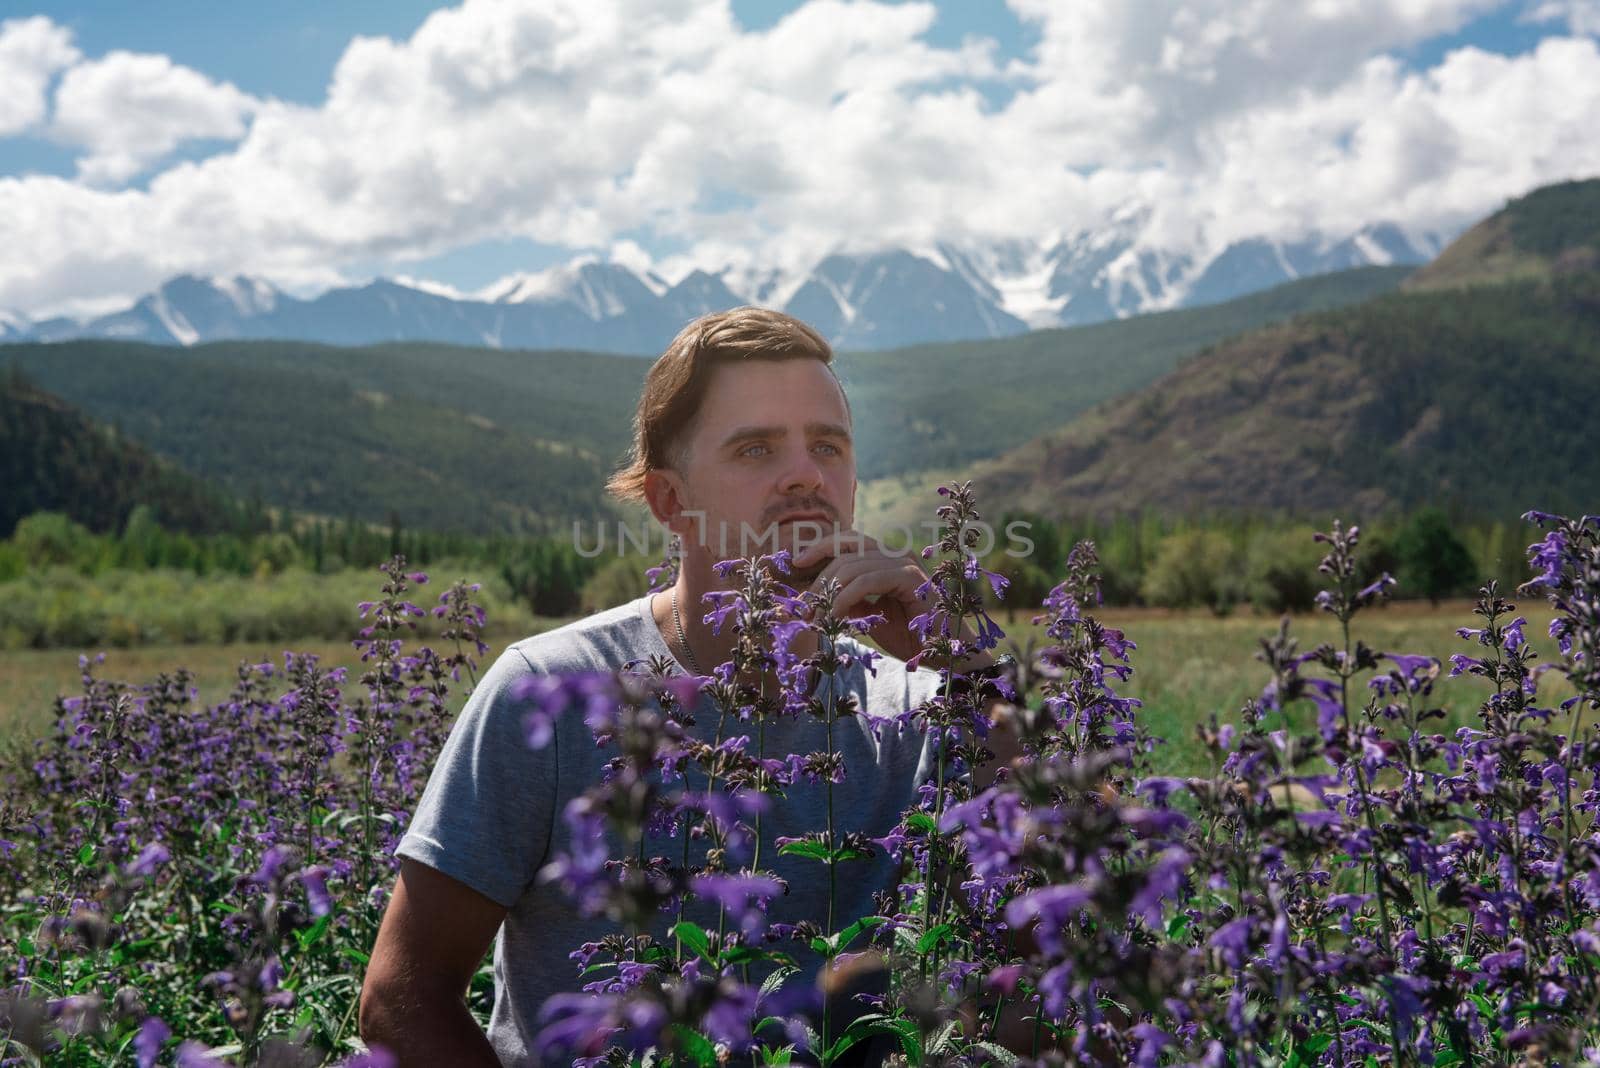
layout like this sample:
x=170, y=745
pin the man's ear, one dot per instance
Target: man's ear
x=667, y=496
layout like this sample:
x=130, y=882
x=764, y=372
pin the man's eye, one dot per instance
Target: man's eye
x=832, y=448
x=746, y=450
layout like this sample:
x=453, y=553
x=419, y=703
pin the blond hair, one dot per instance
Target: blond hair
x=676, y=383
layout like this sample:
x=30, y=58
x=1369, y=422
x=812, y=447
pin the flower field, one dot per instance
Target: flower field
x=1348, y=869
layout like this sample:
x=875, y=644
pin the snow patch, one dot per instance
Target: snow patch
x=173, y=320
x=846, y=308
x=249, y=296
x=1370, y=250
x=432, y=288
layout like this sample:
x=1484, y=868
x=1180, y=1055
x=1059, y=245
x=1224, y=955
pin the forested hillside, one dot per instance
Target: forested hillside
x=1483, y=400
x=54, y=458
x=485, y=440
x=443, y=438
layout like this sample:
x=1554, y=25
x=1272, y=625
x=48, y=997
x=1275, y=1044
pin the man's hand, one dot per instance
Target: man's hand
x=865, y=570
x=434, y=935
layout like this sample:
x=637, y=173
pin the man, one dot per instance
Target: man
x=742, y=430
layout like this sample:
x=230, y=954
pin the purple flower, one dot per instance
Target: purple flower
x=1409, y=664
x=197, y=1055
x=744, y=896
x=1163, y=881
x=578, y=1024
x=150, y=859
x=375, y=1057
x=1053, y=907
x=1232, y=940
x=273, y=863
x=315, y=881
x=1495, y=965
x=153, y=1033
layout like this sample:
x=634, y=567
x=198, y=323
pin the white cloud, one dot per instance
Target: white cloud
x=1435, y=149
x=129, y=110
x=1582, y=17
x=586, y=123
x=32, y=51
x=1150, y=77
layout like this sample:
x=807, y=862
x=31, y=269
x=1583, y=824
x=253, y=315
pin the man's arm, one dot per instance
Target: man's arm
x=434, y=935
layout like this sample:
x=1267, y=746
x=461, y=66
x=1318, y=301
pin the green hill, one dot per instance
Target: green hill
x=1481, y=399
x=1553, y=230
x=936, y=406
x=445, y=438
x=453, y=438
x=55, y=459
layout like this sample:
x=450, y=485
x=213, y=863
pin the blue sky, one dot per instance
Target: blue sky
x=889, y=123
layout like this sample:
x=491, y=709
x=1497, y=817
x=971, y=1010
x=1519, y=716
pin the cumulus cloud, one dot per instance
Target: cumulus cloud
x=128, y=110
x=1145, y=80
x=1436, y=148
x=32, y=51
x=588, y=123
x=1581, y=16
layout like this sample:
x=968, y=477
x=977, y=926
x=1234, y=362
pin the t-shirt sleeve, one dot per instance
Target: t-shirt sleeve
x=487, y=813
x=921, y=686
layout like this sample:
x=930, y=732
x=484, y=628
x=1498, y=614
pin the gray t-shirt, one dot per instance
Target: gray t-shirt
x=491, y=815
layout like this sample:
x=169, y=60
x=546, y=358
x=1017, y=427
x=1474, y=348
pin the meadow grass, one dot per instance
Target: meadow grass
x=30, y=679
x=1187, y=665
x=1191, y=664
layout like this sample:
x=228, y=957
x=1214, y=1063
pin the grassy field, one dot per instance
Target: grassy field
x=30, y=679
x=1190, y=665
x=1187, y=665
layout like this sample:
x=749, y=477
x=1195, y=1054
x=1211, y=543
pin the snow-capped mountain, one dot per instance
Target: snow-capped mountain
x=898, y=298
x=14, y=326
x=875, y=300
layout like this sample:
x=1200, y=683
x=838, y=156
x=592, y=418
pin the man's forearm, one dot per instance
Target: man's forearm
x=425, y=1029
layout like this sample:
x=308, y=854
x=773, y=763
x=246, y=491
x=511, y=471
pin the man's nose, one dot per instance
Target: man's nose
x=802, y=474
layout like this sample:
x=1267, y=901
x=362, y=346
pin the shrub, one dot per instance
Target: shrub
x=1195, y=568
x=1431, y=559
x=1282, y=570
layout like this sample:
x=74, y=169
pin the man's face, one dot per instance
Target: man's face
x=769, y=457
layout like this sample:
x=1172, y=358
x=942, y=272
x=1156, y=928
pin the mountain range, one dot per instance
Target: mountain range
x=868, y=301
x=1475, y=385
x=1472, y=383
x=487, y=440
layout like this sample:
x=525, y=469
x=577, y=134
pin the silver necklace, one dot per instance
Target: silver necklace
x=683, y=639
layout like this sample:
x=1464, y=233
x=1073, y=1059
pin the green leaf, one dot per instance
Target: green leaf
x=1177, y=925
x=808, y=848
x=694, y=936
x=841, y=941
x=310, y=936
x=1006, y=1058
x=86, y=853
x=910, y=1041
x=781, y=1056
x=933, y=937
x=1305, y=1054
x=752, y=954
x=942, y=1039
x=696, y=1046
x=921, y=821
x=774, y=981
